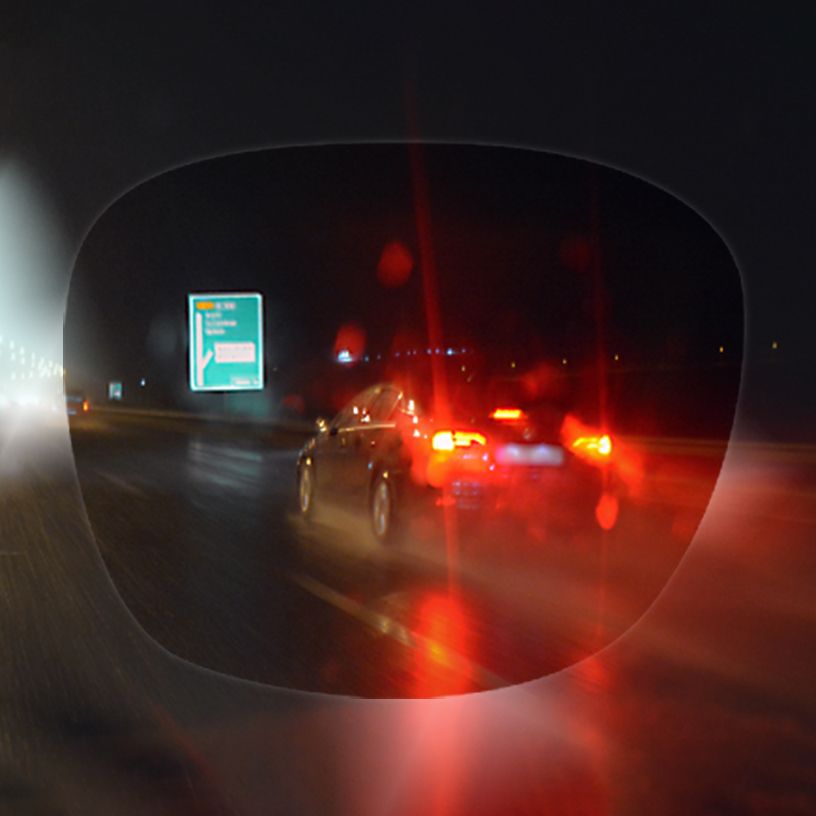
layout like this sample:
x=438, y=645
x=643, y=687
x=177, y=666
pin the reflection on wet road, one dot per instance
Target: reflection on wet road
x=200, y=532
x=711, y=683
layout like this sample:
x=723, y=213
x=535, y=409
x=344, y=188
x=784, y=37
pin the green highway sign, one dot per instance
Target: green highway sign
x=226, y=341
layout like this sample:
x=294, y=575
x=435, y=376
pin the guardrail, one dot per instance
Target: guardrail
x=294, y=426
x=683, y=445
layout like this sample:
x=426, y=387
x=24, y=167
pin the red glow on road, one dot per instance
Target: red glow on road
x=443, y=648
x=395, y=266
x=606, y=511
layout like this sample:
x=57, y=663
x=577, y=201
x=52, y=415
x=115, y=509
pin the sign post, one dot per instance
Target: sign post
x=226, y=341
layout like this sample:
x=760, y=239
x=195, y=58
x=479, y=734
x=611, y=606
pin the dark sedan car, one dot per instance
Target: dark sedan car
x=387, y=457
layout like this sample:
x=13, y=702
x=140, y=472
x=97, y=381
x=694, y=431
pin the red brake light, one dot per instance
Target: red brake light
x=448, y=440
x=508, y=414
x=590, y=444
x=598, y=448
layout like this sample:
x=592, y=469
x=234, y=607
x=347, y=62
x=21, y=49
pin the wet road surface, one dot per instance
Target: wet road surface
x=704, y=705
x=199, y=529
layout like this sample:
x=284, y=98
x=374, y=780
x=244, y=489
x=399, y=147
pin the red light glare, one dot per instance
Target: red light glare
x=350, y=342
x=443, y=441
x=508, y=414
x=606, y=511
x=542, y=382
x=442, y=656
x=599, y=445
x=448, y=440
x=395, y=265
x=593, y=448
x=591, y=445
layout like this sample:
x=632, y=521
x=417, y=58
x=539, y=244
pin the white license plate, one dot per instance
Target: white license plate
x=536, y=455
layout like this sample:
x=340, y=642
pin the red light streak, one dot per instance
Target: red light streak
x=440, y=408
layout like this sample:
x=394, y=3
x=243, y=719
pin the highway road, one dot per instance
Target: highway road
x=704, y=705
x=198, y=527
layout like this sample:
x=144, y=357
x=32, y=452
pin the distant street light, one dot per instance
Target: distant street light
x=143, y=382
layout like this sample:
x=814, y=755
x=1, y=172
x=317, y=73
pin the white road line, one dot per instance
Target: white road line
x=385, y=625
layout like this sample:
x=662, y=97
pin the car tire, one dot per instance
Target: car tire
x=382, y=510
x=306, y=490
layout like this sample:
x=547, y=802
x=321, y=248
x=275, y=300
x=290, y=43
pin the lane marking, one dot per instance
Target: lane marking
x=210, y=450
x=385, y=625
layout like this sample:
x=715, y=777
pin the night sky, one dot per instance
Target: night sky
x=512, y=233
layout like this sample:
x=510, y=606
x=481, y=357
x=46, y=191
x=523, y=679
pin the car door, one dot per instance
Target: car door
x=351, y=457
x=368, y=442
x=329, y=456
x=381, y=436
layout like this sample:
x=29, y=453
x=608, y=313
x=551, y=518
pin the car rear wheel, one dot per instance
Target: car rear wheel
x=306, y=490
x=382, y=510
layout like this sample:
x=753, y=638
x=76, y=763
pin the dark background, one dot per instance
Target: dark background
x=713, y=108
x=714, y=105
x=540, y=259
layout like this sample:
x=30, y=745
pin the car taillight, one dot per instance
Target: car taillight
x=508, y=414
x=449, y=440
x=594, y=448
x=590, y=444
